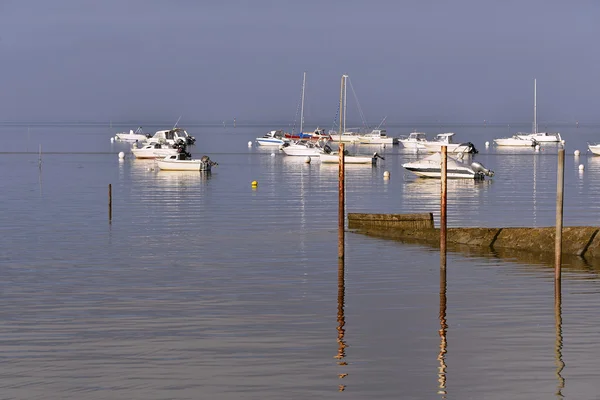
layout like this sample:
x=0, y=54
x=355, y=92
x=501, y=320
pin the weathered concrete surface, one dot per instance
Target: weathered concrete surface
x=576, y=240
x=422, y=220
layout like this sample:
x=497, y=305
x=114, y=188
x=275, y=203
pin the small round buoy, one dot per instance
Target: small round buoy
x=272, y=154
x=307, y=160
x=121, y=155
x=112, y=139
x=487, y=144
x=581, y=167
x=386, y=175
x=576, y=153
x=562, y=142
x=254, y=184
x=537, y=147
x=250, y=144
x=116, y=137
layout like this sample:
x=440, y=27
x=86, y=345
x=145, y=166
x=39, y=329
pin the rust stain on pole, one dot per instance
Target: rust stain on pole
x=560, y=364
x=443, y=207
x=341, y=204
x=109, y=202
x=560, y=185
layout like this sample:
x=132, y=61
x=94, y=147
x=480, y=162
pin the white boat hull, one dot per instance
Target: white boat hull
x=433, y=147
x=345, y=138
x=542, y=137
x=153, y=153
x=348, y=159
x=183, y=165
x=515, y=142
x=269, y=142
x=367, y=140
x=128, y=137
x=594, y=148
x=430, y=167
x=300, y=150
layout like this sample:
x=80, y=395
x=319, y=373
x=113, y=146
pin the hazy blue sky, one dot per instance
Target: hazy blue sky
x=214, y=60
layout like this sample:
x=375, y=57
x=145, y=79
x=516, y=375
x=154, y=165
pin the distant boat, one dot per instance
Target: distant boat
x=412, y=140
x=430, y=167
x=594, y=148
x=377, y=136
x=183, y=161
x=133, y=136
x=153, y=150
x=302, y=148
x=516, y=141
x=272, y=138
x=445, y=140
x=172, y=137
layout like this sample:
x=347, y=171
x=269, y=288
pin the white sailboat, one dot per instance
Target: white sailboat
x=329, y=156
x=539, y=137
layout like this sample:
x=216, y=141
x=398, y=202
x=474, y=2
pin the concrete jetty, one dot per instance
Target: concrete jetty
x=582, y=241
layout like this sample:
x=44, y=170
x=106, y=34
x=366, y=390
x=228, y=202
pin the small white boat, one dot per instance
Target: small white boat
x=183, y=162
x=133, y=136
x=334, y=158
x=431, y=167
x=153, y=150
x=411, y=141
x=377, y=136
x=346, y=137
x=515, y=141
x=594, y=148
x=445, y=140
x=302, y=148
x=172, y=136
x=541, y=137
x=272, y=138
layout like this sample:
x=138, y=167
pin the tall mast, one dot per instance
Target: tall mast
x=534, y=105
x=341, y=106
x=345, y=79
x=302, y=107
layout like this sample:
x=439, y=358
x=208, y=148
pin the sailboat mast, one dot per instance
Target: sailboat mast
x=345, y=78
x=534, y=105
x=302, y=106
x=341, y=106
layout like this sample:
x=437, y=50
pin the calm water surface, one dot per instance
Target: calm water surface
x=202, y=287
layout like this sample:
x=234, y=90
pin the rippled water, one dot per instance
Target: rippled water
x=202, y=287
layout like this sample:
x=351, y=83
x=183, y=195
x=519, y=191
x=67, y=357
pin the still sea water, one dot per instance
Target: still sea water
x=205, y=288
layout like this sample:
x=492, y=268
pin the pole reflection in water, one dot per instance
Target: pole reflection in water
x=341, y=354
x=443, y=342
x=560, y=365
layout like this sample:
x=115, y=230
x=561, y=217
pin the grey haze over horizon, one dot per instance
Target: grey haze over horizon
x=409, y=61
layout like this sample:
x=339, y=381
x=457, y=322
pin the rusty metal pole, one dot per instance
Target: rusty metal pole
x=341, y=204
x=109, y=202
x=560, y=185
x=444, y=196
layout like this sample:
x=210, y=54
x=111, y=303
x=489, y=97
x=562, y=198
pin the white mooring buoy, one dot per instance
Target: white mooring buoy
x=487, y=144
x=581, y=167
x=307, y=160
x=576, y=153
x=386, y=175
x=250, y=144
x=121, y=155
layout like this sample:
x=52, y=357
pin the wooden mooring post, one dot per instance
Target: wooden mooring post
x=109, y=202
x=560, y=185
x=443, y=206
x=341, y=204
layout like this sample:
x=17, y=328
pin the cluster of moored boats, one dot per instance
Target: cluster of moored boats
x=169, y=147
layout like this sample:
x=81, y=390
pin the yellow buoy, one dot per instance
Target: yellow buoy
x=254, y=183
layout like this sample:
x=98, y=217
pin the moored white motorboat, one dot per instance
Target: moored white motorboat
x=153, y=150
x=171, y=136
x=377, y=136
x=133, y=136
x=181, y=162
x=515, y=141
x=302, y=148
x=594, y=148
x=411, y=141
x=431, y=167
x=445, y=140
x=334, y=158
x=272, y=138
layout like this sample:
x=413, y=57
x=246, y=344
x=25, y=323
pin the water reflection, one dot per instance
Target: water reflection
x=183, y=178
x=341, y=353
x=560, y=365
x=442, y=332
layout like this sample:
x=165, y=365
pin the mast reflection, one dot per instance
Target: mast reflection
x=341, y=353
x=560, y=365
x=442, y=331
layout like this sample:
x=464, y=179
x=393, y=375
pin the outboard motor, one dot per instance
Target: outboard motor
x=481, y=170
x=470, y=148
x=375, y=155
x=327, y=149
x=207, y=163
